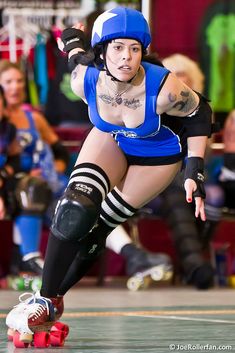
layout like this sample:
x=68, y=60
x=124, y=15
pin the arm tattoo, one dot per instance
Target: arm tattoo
x=186, y=102
x=74, y=75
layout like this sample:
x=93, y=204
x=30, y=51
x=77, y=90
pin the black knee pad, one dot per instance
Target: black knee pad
x=75, y=215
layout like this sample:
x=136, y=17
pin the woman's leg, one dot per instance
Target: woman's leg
x=99, y=164
x=141, y=184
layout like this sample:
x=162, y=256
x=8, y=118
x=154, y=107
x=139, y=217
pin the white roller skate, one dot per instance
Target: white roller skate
x=143, y=267
x=33, y=322
x=143, y=278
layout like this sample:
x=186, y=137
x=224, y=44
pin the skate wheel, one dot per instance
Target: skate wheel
x=134, y=283
x=168, y=275
x=60, y=326
x=57, y=338
x=10, y=334
x=36, y=284
x=157, y=274
x=146, y=282
x=18, y=343
x=41, y=339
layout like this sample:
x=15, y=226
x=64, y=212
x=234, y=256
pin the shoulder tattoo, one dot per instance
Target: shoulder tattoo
x=74, y=75
x=185, y=103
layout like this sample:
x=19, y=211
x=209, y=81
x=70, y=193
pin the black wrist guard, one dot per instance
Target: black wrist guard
x=194, y=170
x=73, y=38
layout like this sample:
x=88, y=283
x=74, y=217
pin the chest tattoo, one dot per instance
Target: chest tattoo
x=129, y=103
x=132, y=103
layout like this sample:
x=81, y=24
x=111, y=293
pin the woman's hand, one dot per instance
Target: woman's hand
x=80, y=26
x=190, y=186
x=2, y=208
x=61, y=43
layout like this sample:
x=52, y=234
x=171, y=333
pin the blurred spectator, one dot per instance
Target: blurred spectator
x=43, y=160
x=9, y=159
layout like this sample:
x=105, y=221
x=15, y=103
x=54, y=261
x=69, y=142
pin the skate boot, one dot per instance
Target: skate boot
x=33, y=322
x=144, y=267
x=197, y=271
x=202, y=276
x=33, y=263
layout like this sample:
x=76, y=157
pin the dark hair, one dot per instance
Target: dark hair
x=152, y=58
x=90, y=19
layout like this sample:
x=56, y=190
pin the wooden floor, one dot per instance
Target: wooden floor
x=161, y=319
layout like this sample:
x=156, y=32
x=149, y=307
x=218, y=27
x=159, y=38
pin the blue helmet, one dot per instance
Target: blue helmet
x=121, y=22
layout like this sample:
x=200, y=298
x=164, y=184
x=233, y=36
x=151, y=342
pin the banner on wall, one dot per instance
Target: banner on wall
x=217, y=52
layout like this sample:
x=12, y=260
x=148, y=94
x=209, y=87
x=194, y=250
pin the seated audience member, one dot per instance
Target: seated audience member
x=43, y=161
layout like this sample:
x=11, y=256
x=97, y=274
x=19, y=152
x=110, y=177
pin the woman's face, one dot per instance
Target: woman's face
x=123, y=58
x=13, y=83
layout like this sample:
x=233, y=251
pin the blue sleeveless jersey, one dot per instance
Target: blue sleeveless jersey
x=28, y=139
x=153, y=138
x=38, y=154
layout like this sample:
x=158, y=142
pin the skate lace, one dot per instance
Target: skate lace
x=27, y=298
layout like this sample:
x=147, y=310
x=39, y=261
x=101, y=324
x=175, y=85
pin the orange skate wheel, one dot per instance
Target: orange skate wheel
x=57, y=338
x=18, y=343
x=41, y=339
x=60, y=326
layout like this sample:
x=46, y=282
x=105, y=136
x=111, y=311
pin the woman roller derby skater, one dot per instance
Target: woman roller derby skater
x=130, y=156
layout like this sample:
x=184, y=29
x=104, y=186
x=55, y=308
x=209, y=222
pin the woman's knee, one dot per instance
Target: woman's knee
x=79, y=207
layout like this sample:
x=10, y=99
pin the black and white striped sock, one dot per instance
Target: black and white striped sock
x=114, y=210
x=91, y=181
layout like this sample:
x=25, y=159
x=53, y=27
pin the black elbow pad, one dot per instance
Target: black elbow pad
x=199, y=123
x=82, y=58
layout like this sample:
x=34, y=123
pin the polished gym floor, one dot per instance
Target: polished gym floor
x=159, y=319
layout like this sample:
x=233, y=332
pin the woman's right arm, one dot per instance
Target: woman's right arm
x=72, y=42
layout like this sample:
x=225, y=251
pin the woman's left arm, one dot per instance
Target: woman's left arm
x=177, y=99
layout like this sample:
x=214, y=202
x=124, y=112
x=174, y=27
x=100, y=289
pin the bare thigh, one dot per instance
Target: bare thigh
x=143, y=183
x=101, y=149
